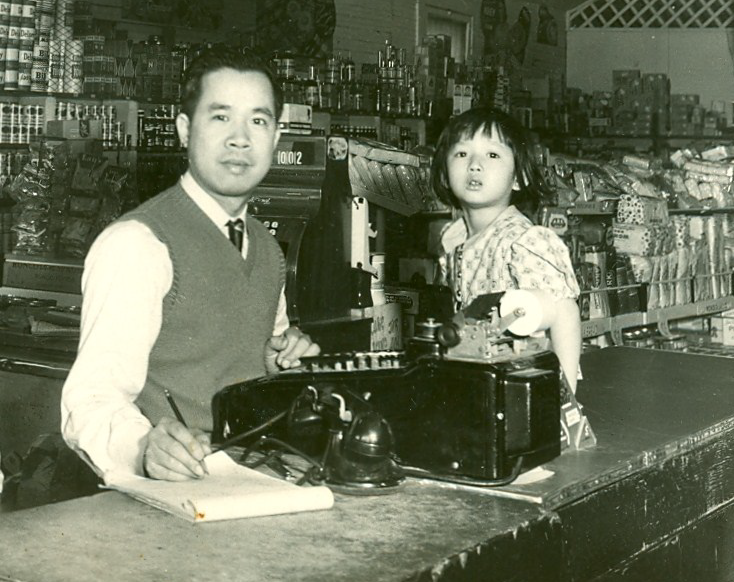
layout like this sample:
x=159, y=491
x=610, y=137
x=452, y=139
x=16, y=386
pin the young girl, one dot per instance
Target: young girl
x=483, y=166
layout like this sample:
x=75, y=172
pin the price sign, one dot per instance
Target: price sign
x=593, y=327
x=715, y=306
x=386, y=327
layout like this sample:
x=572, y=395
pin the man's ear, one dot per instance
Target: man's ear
x=182, y=126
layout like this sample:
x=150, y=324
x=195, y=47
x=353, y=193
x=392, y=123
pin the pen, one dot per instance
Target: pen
x=180, y=418
x=174, y=407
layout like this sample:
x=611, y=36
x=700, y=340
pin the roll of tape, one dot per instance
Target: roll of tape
x=538, y=310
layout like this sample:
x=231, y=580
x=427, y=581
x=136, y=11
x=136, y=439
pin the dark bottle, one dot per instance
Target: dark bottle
x=311, y=90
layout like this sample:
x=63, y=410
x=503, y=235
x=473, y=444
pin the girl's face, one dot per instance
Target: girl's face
x=481, y=170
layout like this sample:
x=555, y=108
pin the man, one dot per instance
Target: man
x=170, y=304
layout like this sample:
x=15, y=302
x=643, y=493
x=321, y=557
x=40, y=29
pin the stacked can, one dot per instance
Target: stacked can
x=96, y=65
x=73, y=76
x=62, y=31
x=12, y=47
x=10, y=122
x=40, y=62
x=6, y=117
x=25, y=49
x=39, y=65
x=4, y=24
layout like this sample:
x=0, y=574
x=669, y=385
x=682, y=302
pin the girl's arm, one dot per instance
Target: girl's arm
x=565, y=332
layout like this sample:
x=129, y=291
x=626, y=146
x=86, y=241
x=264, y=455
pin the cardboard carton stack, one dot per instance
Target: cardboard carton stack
x=641, y=103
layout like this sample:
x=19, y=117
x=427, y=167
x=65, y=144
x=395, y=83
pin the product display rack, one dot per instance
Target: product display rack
x=661, y=317
x=615, y=325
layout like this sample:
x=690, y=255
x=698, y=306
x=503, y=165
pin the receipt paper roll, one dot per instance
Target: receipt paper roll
x=539, y=308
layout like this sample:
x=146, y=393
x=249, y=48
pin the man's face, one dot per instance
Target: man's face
x=232, y=135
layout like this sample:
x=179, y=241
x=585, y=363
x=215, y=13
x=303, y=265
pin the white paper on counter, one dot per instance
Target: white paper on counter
x=229, y=491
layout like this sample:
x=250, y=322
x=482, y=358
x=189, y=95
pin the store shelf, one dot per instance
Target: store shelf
x=592, y=208
x=661, y=317
x=701, y=211
x=384, y=201
x=607, y=207
x=641, y=142
x=599, y=326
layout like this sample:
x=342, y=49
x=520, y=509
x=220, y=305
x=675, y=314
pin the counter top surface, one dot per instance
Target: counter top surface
x=390, y=537
x=645, y=406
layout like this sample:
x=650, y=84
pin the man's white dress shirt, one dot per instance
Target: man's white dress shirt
x=127, y=273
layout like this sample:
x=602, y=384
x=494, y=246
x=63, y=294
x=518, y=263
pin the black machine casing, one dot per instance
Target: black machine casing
x=450, y=417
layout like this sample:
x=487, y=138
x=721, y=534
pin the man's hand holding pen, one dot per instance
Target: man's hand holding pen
x=174, y=452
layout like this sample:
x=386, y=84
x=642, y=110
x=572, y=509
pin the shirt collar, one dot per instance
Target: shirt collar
x=456, y=232
x=206, y=203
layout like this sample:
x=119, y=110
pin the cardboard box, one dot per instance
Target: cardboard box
x=75, y=128
x=625, y=78
x=722, y=328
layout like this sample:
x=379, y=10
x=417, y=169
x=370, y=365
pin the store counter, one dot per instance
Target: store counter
x=423, y=533
x=651, y=502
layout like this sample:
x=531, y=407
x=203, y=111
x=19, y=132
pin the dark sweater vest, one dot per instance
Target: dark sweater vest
x=218, y=314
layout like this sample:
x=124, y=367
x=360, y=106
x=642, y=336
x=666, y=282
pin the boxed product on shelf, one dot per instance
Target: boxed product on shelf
x=74, y=128
x=636, y=209
x=722, y=328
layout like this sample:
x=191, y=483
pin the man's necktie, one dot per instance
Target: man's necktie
x=236, y=231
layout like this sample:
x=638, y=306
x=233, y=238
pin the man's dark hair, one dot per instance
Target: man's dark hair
x=224, y=57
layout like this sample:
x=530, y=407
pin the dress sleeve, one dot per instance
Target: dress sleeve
x=540, y=260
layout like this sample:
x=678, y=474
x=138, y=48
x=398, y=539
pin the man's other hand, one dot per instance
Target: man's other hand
x=284, y=351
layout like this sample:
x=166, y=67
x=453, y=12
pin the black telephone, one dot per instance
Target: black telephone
x=433, y=410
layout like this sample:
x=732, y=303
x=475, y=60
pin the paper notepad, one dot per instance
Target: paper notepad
x=230, y=491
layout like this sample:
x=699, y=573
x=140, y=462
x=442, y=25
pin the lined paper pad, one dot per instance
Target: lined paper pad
x=230, y=491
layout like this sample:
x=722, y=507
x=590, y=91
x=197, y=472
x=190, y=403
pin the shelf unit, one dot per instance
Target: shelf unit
x=660, y=317
x=639, y=143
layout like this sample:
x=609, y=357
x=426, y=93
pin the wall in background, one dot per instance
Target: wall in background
x=696, y=60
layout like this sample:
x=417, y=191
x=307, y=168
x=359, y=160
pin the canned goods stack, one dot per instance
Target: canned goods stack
x=39, y=64
x=20, y=123
x=98, y=67
x=73, y=76
x=61, y=35
x=25, y=48
x=113, y=131
x=12, y=45
x=157, y=131
x=4, y=25
x=44, y=19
